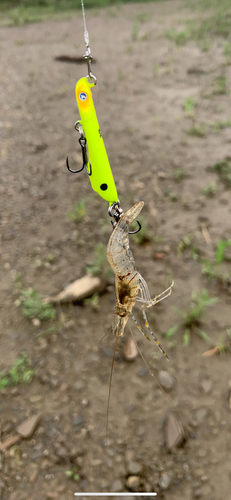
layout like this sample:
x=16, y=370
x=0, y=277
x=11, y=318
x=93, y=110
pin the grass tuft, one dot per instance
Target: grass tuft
x=20, y=373
x=34, y=307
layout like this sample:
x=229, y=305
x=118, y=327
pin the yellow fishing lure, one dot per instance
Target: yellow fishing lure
x=98, y=167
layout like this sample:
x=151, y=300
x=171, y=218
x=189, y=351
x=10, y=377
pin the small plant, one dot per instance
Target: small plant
x=213, y=269
x=220, y=125
x=48, y=331
x=21, y=15
x=184, y=244
x=100, y=265
x=179, y=37
x=155, y=67
x=220, y=251
x=143, y=17
x=222, y=346
x=223, y=170
x=135, y=32
x=178, y=175
x=189, y=106
x=128, y=49
x=210, y=190
x=220, y=85
x=227, y=50
x=34, y=307
x=192, y=316
x=197, y=131
x=20, y=373
x=93, y=302
x=78, y=213
x=72, y=474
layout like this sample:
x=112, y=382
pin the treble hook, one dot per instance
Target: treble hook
x=116, y=211
x=130, y=232
x=73, y=171
x=137, y=231
x=82, y=142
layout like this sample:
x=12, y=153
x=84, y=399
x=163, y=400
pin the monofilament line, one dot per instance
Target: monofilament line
x=115, y=494
x=86, y=35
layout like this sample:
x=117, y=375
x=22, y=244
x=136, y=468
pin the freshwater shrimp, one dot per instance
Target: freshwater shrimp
x=130, y=285
x=128, y=280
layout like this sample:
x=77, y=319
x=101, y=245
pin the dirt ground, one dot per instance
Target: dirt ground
x=144, y=81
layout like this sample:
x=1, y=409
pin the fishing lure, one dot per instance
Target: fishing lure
x=96, y=161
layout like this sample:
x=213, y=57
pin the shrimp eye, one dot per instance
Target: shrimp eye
x=104, y=187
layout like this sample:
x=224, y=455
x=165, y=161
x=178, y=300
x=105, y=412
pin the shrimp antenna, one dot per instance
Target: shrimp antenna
x=109, y=390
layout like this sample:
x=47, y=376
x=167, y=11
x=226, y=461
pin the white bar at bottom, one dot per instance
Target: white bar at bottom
x=115, y=494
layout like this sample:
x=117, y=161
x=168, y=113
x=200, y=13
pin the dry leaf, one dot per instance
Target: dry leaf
x=159, y=255
x=211, y=352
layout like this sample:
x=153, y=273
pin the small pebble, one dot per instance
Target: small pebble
x=133, y=483
x=140, y=431
x=117, y=486
x=130, y=351
x=165, y=481
x=52, y=495
x=201, y=414
x=33, y=476
x=36, y=322
x=77, y=420
x=134, y=468
x=143, y=372
x=79, y=385
x=36, y=398
x=165, y=379
x=63, y=387
x=174, y=432
x=27, y=428
x=205, y=385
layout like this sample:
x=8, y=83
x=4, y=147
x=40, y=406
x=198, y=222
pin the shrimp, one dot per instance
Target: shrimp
x=129, y=283
x=128, y=280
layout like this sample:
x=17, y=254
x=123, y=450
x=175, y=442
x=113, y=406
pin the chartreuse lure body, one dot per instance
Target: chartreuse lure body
x=99, y=171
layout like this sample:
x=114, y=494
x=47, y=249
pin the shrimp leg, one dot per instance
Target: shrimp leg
x=152, y=334
x=145, y=297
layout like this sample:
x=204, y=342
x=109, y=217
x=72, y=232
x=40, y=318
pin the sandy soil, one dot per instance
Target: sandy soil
x=140, y=95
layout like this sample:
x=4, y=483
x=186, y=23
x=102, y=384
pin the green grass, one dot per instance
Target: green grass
x=184, y=244
x=34, y=307
x=203, y=29
x=20, y=12
x=178, y=175
x=213, y=269
x=221, y=125
x=179, y=37
x=220, y=85
x=135, y=31
x=210, y=190
x=191, y=317
x=78, y=213
x=93, y=302
x=227, y=50
x=20, y=373
x=143, y=17
x=189, y=106
x=197, y=131
x=72, y=474
x=223, y=170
